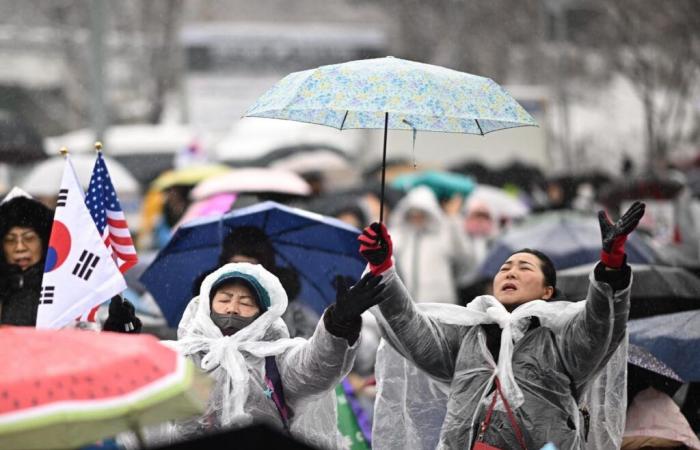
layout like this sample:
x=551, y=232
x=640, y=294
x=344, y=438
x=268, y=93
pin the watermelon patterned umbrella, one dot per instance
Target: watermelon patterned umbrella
x=392, y=93
x=67, y=388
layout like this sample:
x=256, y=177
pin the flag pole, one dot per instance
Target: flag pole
x=98, y=146
x=63, y=151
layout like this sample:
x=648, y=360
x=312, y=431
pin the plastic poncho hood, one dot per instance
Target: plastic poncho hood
x=266, y=336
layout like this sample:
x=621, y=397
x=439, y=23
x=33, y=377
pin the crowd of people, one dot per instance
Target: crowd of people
x=436, y=355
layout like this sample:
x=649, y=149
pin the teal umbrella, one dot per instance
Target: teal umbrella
x=444, y=184
x=392, y=93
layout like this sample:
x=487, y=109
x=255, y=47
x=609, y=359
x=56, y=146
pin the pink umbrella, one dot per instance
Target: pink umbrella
x=654, y=420
x=252, y=180
x=211, y=206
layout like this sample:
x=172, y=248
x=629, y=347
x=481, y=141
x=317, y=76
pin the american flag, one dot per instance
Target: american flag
x=106, y=212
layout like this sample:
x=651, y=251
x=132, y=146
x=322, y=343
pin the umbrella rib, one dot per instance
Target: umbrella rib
x=344, y=117
x=292, y=230
x=316, y=249
x=477, y=124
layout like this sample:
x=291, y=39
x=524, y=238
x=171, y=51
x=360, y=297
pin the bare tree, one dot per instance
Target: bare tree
x=656, y=46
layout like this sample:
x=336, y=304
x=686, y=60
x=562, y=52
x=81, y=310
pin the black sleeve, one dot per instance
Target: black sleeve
x=350, y=331
x=617, y=279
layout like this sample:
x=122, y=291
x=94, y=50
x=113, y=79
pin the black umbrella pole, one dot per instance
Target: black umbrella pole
x=381, y=198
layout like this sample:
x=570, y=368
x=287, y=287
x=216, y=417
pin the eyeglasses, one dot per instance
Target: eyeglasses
x=13, y=240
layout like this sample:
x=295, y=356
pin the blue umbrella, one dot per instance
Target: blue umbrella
x=570, y=239
x=673, y=338
x=318, y=247
x=392, y=93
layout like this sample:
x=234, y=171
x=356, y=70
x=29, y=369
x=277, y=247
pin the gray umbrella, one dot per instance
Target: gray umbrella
x=655, y=289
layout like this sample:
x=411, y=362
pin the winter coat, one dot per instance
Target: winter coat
x=551, y=366
x=309, y=369
x=430, y=260
x=20, y=290
x=19, y=295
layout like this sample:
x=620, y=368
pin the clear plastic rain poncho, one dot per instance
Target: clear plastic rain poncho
x=411, y=407
x=310, y=369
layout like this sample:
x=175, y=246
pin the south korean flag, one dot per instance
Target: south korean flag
x=80, y=272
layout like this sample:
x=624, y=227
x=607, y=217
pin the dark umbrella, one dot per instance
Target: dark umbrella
x=640, y=188
x=568, y=238
x=319, y=248
x=655, y=289
x=644, y=370
x=672, y=338
x=20, y=143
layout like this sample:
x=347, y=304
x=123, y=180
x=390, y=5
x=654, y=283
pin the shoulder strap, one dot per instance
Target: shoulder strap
x=273, y=380
x=509, y=411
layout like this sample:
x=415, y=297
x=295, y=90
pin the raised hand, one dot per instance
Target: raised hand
x=614, y=235
x=351, y=303
x=376, y=247
x=122, y=317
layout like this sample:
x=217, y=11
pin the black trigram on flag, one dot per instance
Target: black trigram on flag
x=85, y=265
x=46, y=295
x=62, y=197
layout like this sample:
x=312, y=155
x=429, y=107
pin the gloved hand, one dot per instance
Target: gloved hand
x=376, y=247
x=614, y=235
x=351, y=303
x=122, y=317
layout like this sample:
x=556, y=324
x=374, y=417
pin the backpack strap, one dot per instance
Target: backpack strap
x=274, y=390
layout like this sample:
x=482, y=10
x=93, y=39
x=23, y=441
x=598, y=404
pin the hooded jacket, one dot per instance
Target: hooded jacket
x=309, y=369
x=547, y=367
x=20, y=289
x=431, y=259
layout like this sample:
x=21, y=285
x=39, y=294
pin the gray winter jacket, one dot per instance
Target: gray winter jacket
x=551, y=369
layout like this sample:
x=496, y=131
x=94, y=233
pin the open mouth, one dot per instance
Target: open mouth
x=509, y=287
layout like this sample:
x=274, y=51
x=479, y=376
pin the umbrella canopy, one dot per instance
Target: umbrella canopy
x=318, y=247
x=673, y=338
x=503, y=204
x=641, y=188
x=20, y=143
x=252, y=180
x=655, y=289
x=67, y=388
x=444, y=184
x=655, y=421
x=392, y=93
x=644, y=370
x=188, y=176
x=45, y=178
x=568, y=238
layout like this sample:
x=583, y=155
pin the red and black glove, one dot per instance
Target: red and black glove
x=376, y=247
x=614, y=235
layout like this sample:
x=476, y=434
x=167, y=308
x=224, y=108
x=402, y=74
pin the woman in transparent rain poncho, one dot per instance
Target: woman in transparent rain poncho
x=234, y=331
x=559, y=365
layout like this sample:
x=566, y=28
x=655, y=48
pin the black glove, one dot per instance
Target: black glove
x=122, y=317
x=351, y=303
x=614, y=235
x=342, y=318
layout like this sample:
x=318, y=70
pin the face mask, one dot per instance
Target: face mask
x=230, y=324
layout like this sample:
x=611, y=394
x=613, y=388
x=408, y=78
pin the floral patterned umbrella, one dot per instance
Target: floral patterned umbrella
x=392, y=93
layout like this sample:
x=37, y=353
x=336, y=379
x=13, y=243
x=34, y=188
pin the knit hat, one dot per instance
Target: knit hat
x=262, y=298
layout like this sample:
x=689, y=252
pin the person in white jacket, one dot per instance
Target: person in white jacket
x=233, y=330
x=431, y=250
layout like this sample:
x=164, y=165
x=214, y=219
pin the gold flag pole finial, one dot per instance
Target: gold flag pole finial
x=63, y=151
x=98, y=146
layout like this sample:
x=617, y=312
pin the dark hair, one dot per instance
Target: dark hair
x=249, y=241
x=546, y=264
x=26, y=213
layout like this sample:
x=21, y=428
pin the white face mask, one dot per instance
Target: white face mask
x=230, y=324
